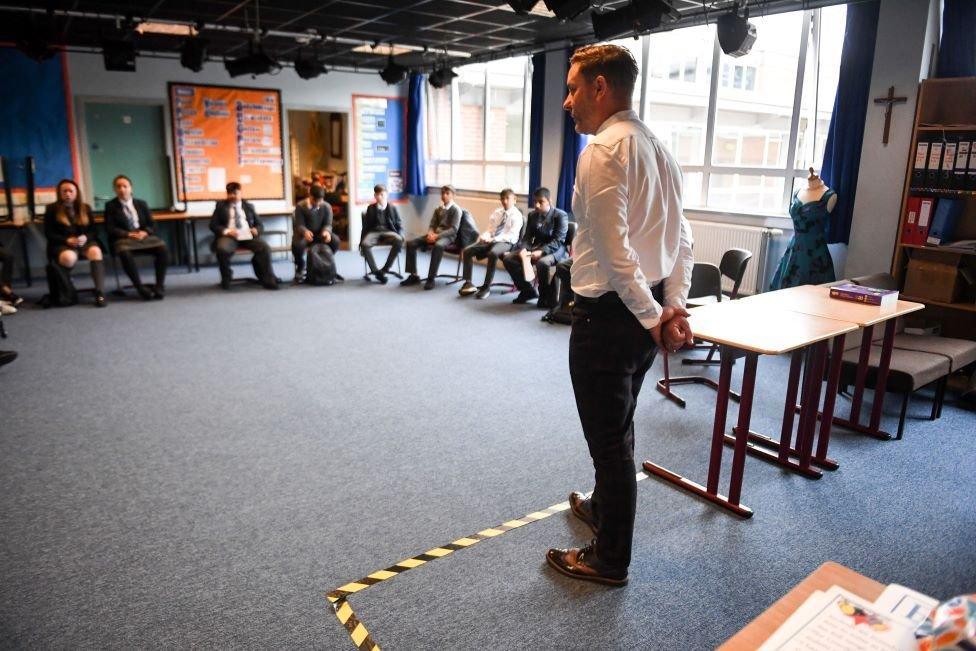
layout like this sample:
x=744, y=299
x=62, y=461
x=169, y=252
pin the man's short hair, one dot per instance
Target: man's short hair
x=233, y=187
x=506, y=192
x=448, y=188
x=121, y=176
x=379, y=187
x=542, y=193
x=614, y=62
x=317, y=191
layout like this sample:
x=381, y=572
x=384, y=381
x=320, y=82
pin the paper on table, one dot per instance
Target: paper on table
x=899, y=601
x=837, y=620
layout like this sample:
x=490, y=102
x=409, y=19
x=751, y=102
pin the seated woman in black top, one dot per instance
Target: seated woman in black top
x=131, y=230
x=69, y=227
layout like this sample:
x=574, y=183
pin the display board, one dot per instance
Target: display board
x=379, y=124
x=224, y=134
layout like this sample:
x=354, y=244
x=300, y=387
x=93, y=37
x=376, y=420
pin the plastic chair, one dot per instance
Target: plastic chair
x=733, y=266
x=366, y=272
x=467, y=234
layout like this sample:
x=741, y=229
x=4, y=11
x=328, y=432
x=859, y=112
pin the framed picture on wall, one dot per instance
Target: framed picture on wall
x=335, y=135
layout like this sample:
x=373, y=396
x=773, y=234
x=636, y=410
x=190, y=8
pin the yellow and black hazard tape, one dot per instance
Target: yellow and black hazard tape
x=338, y=598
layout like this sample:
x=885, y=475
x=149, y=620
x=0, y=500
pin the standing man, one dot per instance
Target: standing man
x=504, y=229
x=235, y=224
x=543, y=245
x=312, y=225
x=381, y=226
x=631, y=274
x=131, y=230
x=441, y=233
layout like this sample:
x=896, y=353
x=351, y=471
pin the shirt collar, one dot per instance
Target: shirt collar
x=447, y=206
x=619, y=116
x=381, y=206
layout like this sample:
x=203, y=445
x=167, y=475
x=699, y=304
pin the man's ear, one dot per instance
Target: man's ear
x=600, y=86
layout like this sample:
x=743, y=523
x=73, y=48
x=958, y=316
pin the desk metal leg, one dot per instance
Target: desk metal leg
x=710, y=492
x=820, y=459
x=24, y=255
x=862, y=372
x=880, y=385
x=193, y=239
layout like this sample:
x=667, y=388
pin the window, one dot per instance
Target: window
x=742, y=146
x=477, y=128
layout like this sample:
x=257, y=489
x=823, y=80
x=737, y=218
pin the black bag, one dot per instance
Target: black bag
x=562, y=313
x=321, y=266
x=61, y=291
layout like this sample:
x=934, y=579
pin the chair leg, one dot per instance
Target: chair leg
x=904, y=412
x=940, y=389
x=118, y=291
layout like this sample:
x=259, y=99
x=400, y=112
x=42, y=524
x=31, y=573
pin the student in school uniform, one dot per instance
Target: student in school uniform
x=7, y=294
x=441, y=233
x=504, y=229
x=313, y=227
x=131, y=231
x=235, y=224
x=69, y=227
x=381, y=227
x=544, y=244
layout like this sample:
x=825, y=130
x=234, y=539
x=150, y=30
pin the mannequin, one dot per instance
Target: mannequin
x=814, y=190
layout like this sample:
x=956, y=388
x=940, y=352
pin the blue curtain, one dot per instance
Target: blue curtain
x=573, y=144
x=842, y=156
x=536, y=122
x=416, y=181
x=957, y=49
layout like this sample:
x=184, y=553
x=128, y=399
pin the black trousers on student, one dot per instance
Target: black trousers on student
x=225, y=247
x=299, y=245
x=560, y=290
x=436, y=254
x=481, y=250
x=609, y=354
x=126, y=250
x=6, y=267
x=381, y=238
x=543, y=271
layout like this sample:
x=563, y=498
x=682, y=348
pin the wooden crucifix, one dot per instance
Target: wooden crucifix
x=890, y=100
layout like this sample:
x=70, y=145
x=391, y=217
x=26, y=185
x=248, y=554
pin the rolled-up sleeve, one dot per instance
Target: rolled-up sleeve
x=677, y=285
x=606, y=204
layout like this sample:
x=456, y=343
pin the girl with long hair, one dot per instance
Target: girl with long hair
x=70, y=230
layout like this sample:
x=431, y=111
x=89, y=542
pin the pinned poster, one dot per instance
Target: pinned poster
x=380, y=155
x=224, y=134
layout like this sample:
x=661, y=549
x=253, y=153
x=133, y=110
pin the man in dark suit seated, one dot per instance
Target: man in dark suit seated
x=235, y=224
x=543, y=246
x=381, y=226
x=441, y=233
x=312, y=225
x=131, y=230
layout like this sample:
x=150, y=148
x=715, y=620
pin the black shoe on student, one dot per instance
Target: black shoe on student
x=583, y=564
x=144, y=293
x=525, y=297
x=7, y=356
x=483, y=292
x=100, y=300
x=272, y=285
x=467, y=289
x=380, y=276
x=582, y=508
x=158, y=292
x=11, y=298
x=429, y=284
x=412, y=279
x=298, y=279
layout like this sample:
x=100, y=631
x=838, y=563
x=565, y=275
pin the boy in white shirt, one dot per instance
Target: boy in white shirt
x=504, y=230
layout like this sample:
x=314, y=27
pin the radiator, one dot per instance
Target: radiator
x=713, y=239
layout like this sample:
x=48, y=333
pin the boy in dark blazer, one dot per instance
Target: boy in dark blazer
x=131, y=230
x=544, y=244
x=441, y=233
x=312, y=226
x=381, y=226
x=235, y=224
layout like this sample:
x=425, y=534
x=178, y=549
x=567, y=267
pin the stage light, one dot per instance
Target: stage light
x=119, y=55
x=255, y=62
x=393, y=73
x=193, y=53
x=636, y=18
x=567, y=9
x=735, y=33
x=308, y=66
x=441, y=77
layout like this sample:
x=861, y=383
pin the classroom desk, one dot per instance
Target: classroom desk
x=749, y=331
x=829, y=574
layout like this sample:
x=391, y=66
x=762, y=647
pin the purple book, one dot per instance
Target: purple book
x=868, y=295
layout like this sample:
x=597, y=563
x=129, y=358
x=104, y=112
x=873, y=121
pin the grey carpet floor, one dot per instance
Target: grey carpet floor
x=201, y=471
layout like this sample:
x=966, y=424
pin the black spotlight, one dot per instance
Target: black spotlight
x=393, y=73
x=735, y=33
x=255, y=62
x=193, y=53
x=567, y=9
x=308, y=66
x=637, y=17
x=119, y=55
x=37, y=40
x=441, y=77
x=523, y=6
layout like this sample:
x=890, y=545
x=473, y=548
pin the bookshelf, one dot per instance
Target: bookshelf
x=946, y=107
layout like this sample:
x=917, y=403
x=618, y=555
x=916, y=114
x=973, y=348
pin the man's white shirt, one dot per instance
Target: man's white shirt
x=504, y=226
x=632, y=232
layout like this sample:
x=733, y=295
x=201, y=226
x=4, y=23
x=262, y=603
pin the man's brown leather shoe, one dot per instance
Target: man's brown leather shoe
x=582, y=564
x=581, y=507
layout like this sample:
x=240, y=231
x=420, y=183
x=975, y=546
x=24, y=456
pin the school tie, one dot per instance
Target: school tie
x=239, y=223
x=131, y=216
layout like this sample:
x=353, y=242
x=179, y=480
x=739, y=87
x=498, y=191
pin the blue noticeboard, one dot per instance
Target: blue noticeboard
x=380, y=151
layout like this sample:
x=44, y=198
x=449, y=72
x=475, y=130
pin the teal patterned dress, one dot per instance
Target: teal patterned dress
x=807, y=260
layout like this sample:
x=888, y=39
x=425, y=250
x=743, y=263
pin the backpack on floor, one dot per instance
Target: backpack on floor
x=562, y=313
x=61, y=291
x=321, y=266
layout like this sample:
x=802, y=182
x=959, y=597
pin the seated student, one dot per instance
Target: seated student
x=312, y=226
x=544, y=245
x=235, y=224
x=559, y=294
x=441, y=232
x=131, y=230
x=381, y=226
x=69, y=227
x=6, y=276
x=504, y=227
